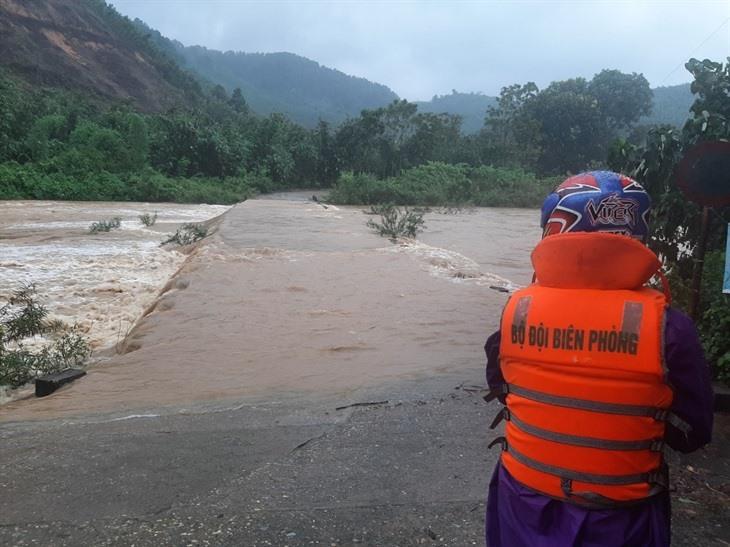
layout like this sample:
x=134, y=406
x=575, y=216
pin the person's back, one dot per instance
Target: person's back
x=597, y=373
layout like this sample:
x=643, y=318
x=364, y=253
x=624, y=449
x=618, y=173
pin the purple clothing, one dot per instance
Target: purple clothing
x=518, y=516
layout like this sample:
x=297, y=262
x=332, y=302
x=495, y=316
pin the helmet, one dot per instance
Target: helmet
x=597, y=201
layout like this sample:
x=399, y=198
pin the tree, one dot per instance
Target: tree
x=219, y=93
x=238, y=102
x=622, y=98
x=572, y=130
x=675, y=220
x=387, y=140
x=567, y=126
x=327, y=170
x=511, y=136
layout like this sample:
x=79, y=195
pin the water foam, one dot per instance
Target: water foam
x=450, y=265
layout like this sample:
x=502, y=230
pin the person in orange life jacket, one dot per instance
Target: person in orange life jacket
x=598, y=374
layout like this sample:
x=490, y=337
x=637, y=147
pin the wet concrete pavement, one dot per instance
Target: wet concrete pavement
x=409, y=471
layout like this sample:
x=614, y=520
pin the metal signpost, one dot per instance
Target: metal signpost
x=726, y=277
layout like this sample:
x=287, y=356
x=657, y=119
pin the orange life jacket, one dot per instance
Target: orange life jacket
x=582, y=354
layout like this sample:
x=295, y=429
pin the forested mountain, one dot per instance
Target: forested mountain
x=471, y=107
x=298, y=87
x=87, y=46
x=670, y=105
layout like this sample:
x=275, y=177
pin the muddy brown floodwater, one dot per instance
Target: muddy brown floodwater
x=291, y=297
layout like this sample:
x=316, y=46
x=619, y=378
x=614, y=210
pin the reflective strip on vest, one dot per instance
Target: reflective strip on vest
x=590, y=442
x=582, y=404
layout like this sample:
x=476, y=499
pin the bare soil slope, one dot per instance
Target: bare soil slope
x=86, y=46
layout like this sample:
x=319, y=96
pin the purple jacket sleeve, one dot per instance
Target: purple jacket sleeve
x=689, y=375
x=687, y=372
x=494, y=373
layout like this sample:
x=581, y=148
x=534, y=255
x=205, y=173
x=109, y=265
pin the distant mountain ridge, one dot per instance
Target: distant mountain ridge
x=671, y=105
x=282, y=82
x=472, y=107
x=86, y=45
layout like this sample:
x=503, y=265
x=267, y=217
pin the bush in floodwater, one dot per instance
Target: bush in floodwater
x=147, y=219
x=396, y=222
x=23, y=318
x=187, y=234
x=105, y=225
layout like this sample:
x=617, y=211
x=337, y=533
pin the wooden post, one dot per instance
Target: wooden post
x=699, y=261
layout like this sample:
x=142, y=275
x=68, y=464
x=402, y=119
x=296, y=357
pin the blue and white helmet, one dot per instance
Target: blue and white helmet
x=597, y=201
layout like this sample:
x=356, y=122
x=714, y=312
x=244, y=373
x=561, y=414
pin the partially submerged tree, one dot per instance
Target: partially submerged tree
x=22, y=319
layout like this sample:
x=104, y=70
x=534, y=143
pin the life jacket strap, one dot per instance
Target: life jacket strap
x=503, y=414
x=659, y=414
x=496, y=392
x=654, y=445
x=658, y=477
x=599, y=501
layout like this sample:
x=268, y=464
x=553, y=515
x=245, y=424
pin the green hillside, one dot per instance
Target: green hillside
x=670, y=106
x=300, y=88
x=472, y=107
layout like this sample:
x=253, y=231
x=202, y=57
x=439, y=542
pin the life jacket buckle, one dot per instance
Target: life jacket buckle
x=657, y=445
x=501, y=441
x=496, y=392
x=566, y=485
x=501, y=415
x=659, y=476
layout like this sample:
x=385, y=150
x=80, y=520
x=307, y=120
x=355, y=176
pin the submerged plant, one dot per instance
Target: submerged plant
x=22, y=318
x=105, y=225
x=397, y=222
x=188, y=233
x=147, y=219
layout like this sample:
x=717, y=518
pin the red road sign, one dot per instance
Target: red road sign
x=703, y=175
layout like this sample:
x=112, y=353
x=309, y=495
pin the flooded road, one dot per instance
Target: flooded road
x=102, y=282
x=291, y=297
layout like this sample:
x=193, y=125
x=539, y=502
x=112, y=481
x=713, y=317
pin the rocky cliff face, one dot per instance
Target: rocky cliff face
x=85, y=45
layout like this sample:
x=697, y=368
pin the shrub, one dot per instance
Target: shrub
x=105, y=225
x=147, y=219
x=396, y=222
x=447, y=185
x=188, y=233
x=714, y=324
x=21, y=318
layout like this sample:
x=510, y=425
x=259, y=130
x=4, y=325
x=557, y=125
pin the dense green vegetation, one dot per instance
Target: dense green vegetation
x=675, y=220
x=567, y=126
x=437, y=183
x=298, y=87
x=213, y=147
x=59, y=145
x=670, y=106
x=470, y=107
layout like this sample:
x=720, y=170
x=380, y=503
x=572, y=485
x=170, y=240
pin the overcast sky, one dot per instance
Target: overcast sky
x=422, y=48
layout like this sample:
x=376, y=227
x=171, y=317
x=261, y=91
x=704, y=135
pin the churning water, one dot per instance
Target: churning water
x=287, y=296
